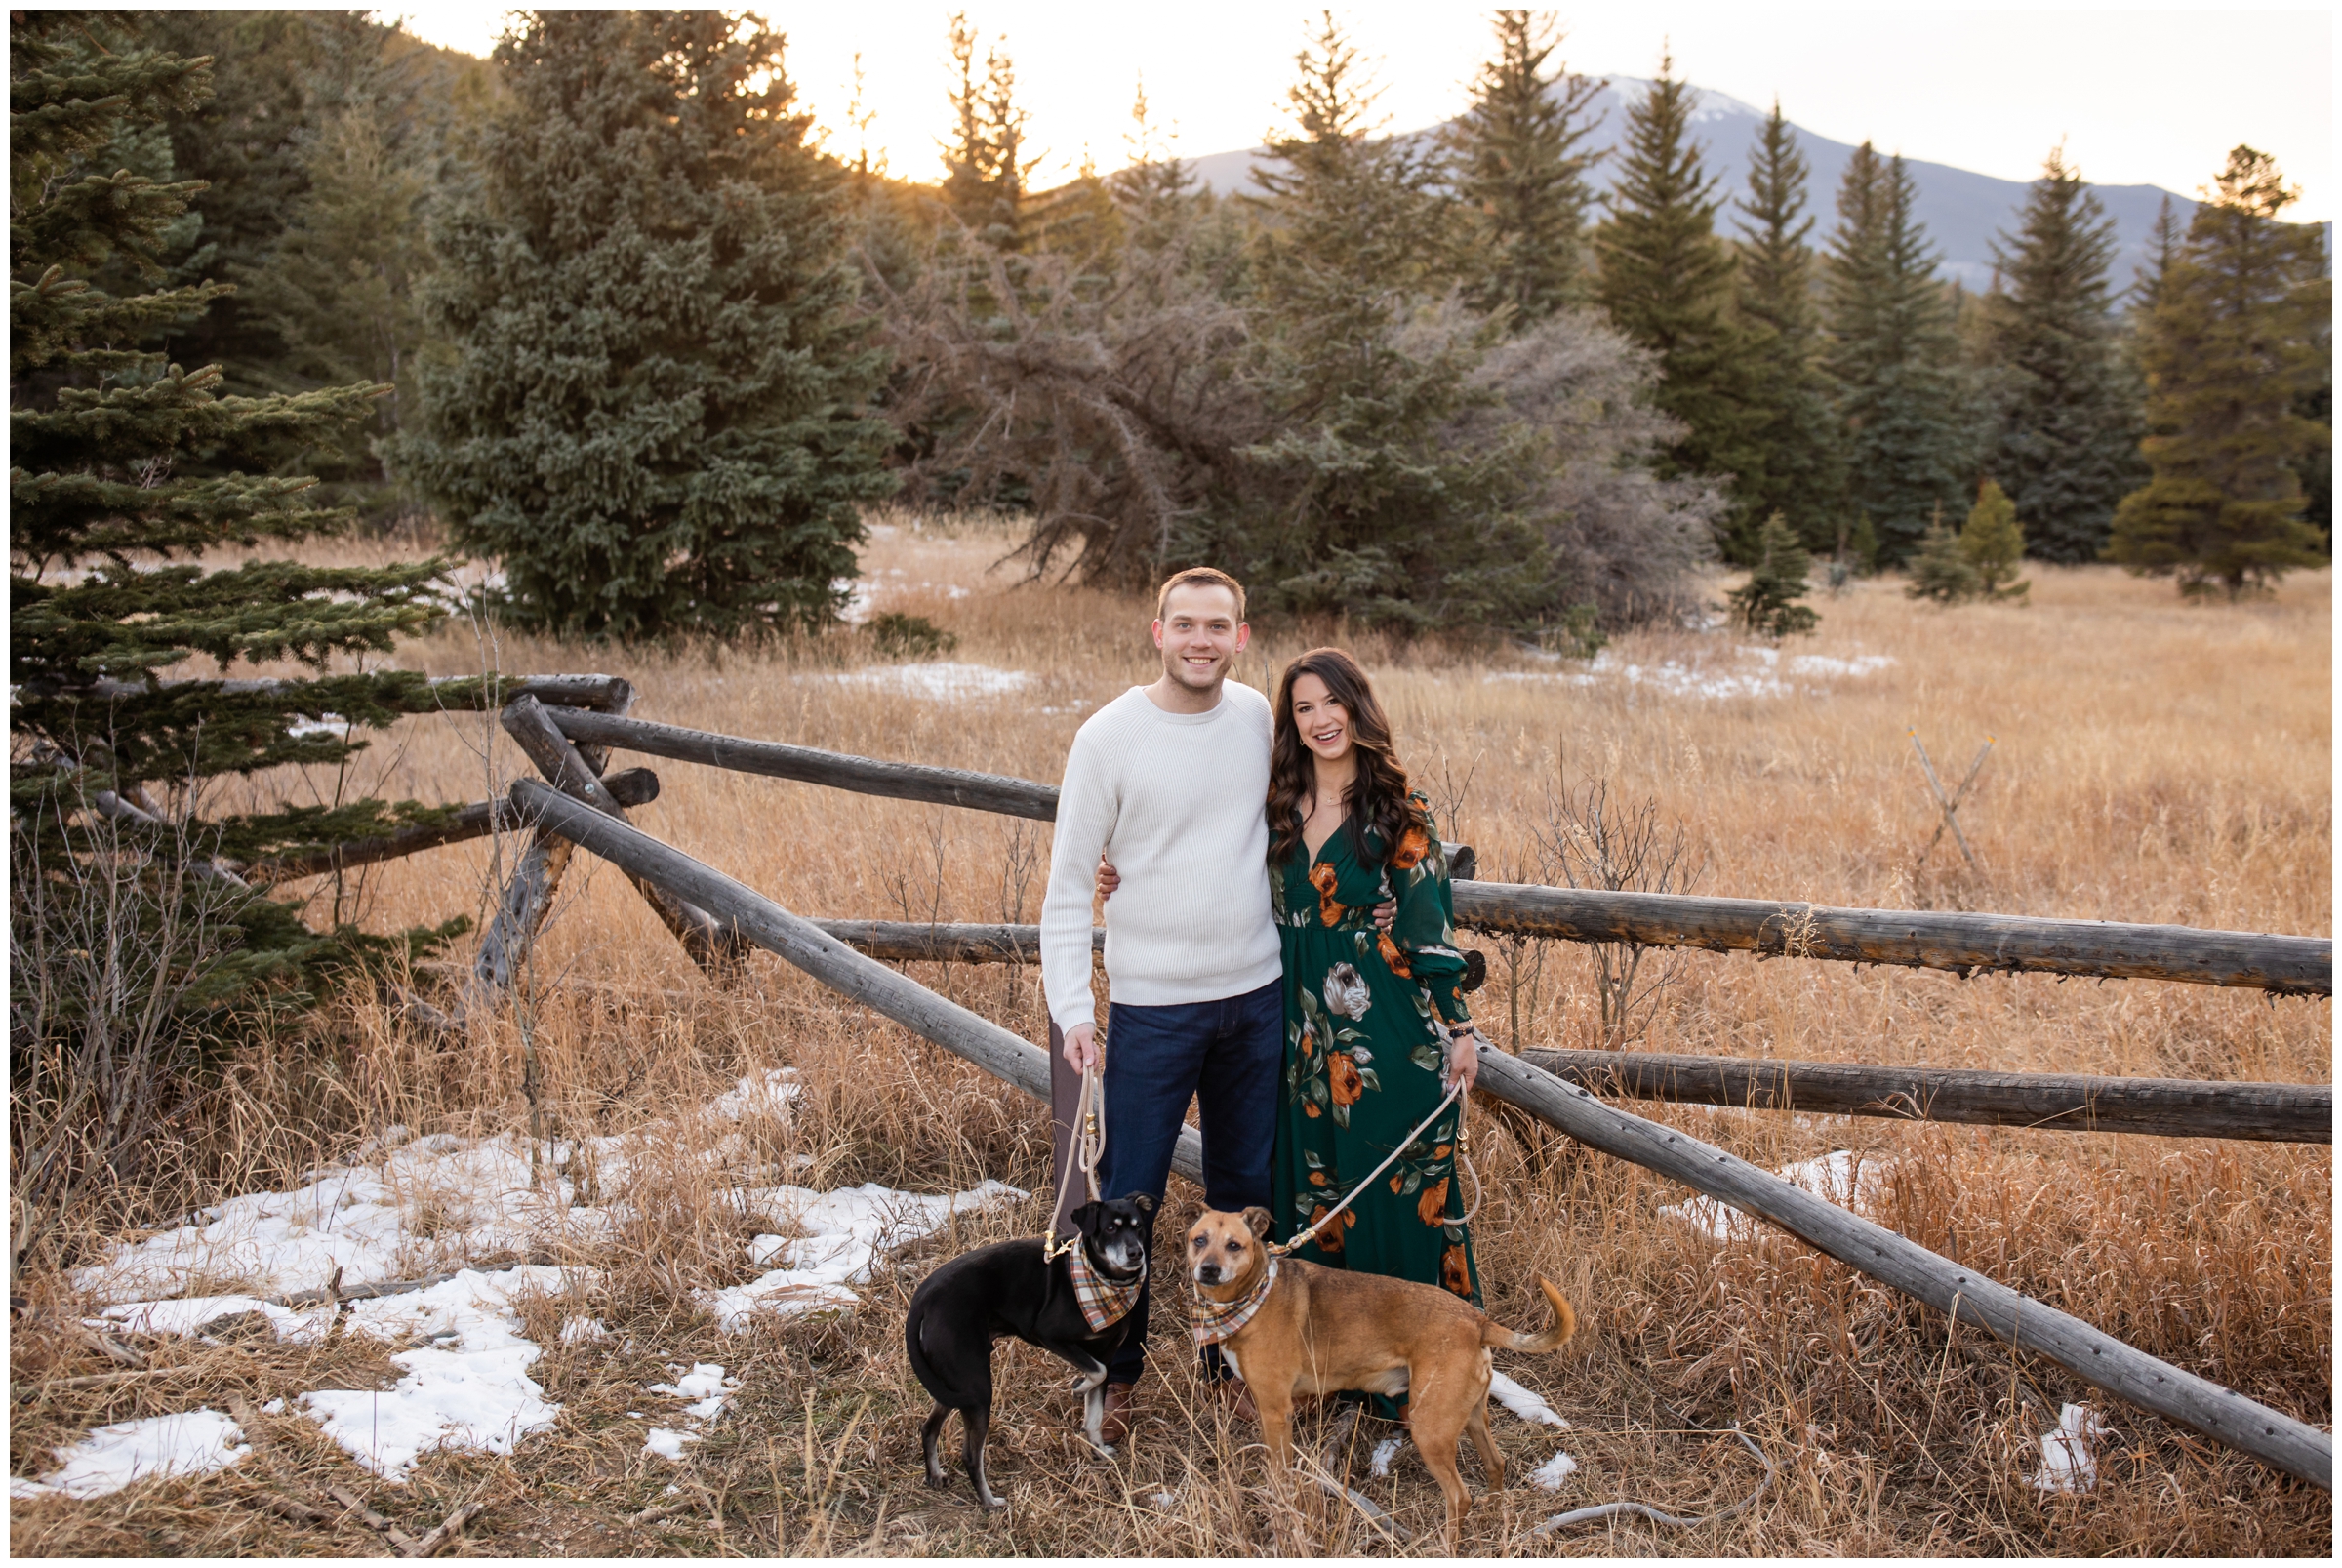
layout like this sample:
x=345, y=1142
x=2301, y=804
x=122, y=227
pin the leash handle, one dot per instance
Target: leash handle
x=1085, y=1146
x=1453, y=1097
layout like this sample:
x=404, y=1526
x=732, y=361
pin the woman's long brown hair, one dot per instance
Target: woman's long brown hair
x=1378, y=798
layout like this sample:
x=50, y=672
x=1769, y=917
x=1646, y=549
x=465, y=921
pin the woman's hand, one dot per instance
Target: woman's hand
x=1108, y=878
x=1462, y=1058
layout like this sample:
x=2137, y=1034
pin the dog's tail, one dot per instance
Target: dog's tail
x=1565, y=1324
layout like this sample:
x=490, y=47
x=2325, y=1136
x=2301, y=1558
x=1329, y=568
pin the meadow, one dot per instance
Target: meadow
x=2152, y=761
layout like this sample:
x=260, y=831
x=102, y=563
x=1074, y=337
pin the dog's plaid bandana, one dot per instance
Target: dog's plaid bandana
x=1104, y=1303
x=1218, y=1321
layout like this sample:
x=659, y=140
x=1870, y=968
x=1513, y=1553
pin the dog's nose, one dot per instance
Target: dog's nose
x=1209, y=1273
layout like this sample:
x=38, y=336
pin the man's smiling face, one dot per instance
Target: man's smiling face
x=1201, y=635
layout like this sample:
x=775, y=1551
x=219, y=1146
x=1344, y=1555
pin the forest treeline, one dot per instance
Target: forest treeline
x=1428, y=382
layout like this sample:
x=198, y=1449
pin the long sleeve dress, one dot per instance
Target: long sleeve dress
x=1366, y=1015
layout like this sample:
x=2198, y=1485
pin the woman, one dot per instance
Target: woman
x=1376, y=1028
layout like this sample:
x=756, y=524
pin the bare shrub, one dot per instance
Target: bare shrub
x=1594, y=842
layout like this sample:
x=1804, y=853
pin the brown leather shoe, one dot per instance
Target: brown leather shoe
x=1237, y=1398
x=1115, y=1423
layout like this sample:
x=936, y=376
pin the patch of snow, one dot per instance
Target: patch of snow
x=469, y=1387
x=667, y=1444
x=111, y=1458
x=1839, y=1176
x=584, y=1331
x=846, y=1231
x=322, y=724
x=767, y=1094
x=860, y=597
x=942, y=682
x=188, y=1315
x=1550, y=1476
x=1164, y=1499
x=706, y=1383
x=2070, y=1454
x=1699, y=677
x=1378, y=1463
x=1823, y=664
x=1522, y=1402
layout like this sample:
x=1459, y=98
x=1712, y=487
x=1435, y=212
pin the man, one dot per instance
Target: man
x=1169, y=781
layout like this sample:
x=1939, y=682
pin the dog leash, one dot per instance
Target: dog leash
x=1085, y=1146
x=1454, y=1097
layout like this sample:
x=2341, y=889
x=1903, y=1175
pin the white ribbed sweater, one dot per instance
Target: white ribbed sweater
x=1178, y=802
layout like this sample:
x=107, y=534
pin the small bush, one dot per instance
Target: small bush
x=902, y=636
x=1767, y=604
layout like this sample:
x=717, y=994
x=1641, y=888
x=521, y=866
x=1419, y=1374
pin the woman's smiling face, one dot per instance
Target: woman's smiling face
x=1323, y=722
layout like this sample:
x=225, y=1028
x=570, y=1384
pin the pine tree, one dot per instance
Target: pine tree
x=113, y=768
x=1994, y=544
x=1521, y=165
x=1803, y=475
x=655, y=411
x=985, y=169
x=1667, y=282
x=2064, y=432
x=1939, y=569
x=1767, y=603
x=2234, y=337
x=1891, y=355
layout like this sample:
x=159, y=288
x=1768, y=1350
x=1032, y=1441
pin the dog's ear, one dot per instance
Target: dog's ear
x=1085, y=1219
x=1259, y=1220
x=1142, y=1202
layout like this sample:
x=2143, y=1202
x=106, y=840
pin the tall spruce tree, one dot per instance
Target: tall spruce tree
x=113, y=769
x=1891, y=354
x=1667, y=282
x=2235, y=336
x=2064, y=432
x=987, y=165
x=655, y=409
x=1521, y=166
x=1803, y=477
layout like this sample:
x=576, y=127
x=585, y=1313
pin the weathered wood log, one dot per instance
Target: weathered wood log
x=915, y=941
x=1959, y=1292
x=2050, y=1102
x=1962, y=942
x=801, y=943
x=608, y=694
x=704, y=938
x=636, y=787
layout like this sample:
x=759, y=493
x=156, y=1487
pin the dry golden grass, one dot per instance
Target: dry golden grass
x=2154, y=762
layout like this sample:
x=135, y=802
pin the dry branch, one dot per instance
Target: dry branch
x=2053, y=1102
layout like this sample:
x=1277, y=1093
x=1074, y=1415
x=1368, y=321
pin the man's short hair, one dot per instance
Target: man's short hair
x=1205, y=577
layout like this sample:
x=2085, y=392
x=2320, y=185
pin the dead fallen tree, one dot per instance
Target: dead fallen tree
x=1962, y=942
x=1961, y=1292
x=2052, y=1101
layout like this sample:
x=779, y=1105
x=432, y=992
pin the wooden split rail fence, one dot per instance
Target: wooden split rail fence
x=569, y=725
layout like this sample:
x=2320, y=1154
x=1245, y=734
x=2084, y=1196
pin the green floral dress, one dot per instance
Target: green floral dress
x=1365, y=1043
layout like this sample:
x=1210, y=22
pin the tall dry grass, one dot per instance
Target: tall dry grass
x=2152, y=761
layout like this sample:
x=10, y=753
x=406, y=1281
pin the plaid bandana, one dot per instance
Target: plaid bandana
x=1104, y=1303
x=1219, y=1320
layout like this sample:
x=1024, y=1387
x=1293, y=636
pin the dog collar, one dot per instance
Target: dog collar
x=1104, y=1302
x=1219, y=1320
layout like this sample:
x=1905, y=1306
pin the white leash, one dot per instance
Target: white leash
x=1085, y=1146
x=1452, y=1097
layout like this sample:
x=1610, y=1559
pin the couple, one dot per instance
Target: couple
x=1247, y=853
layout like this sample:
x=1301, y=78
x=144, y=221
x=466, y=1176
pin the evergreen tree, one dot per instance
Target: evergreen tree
x=1803, y=475
x=113, y=768
x=1521, y=165
x=2064, y=434
x=1667, y=282
x=1767, y=603
x=2234, y=337
x=654, y=412
x=1891, y=353
x=1994, y=544
x=985, y=166
x=1939, y=569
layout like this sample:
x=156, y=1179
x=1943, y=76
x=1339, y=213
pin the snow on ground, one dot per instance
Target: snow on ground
x=944, y=681
x=1550, y=1476
x=2070, y=1454
x=435, y=1204
x=1839, y=1176
x=1754, y=673
x=1522, y=1402
x=112, y=1457
x=1378, y=1463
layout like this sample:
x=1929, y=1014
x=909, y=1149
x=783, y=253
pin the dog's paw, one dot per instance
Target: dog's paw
x=1104, y=1450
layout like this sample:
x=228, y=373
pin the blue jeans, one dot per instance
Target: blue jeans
x=1224, y=1054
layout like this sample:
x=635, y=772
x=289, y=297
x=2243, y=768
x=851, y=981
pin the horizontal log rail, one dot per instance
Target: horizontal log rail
x=2292, y=1446
x=636, y=787
x=475, y=692
x=1961, y=943
x=2047, y=1102
x=1923, y=938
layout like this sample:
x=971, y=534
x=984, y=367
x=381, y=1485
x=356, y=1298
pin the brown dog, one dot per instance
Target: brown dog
x=1318, y=1330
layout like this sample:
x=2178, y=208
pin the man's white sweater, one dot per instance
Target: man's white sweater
x=1179, y=803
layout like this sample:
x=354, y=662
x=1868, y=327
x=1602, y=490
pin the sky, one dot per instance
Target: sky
x=2139, y=96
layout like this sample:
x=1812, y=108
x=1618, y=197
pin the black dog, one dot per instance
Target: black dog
x=1012, y=1287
